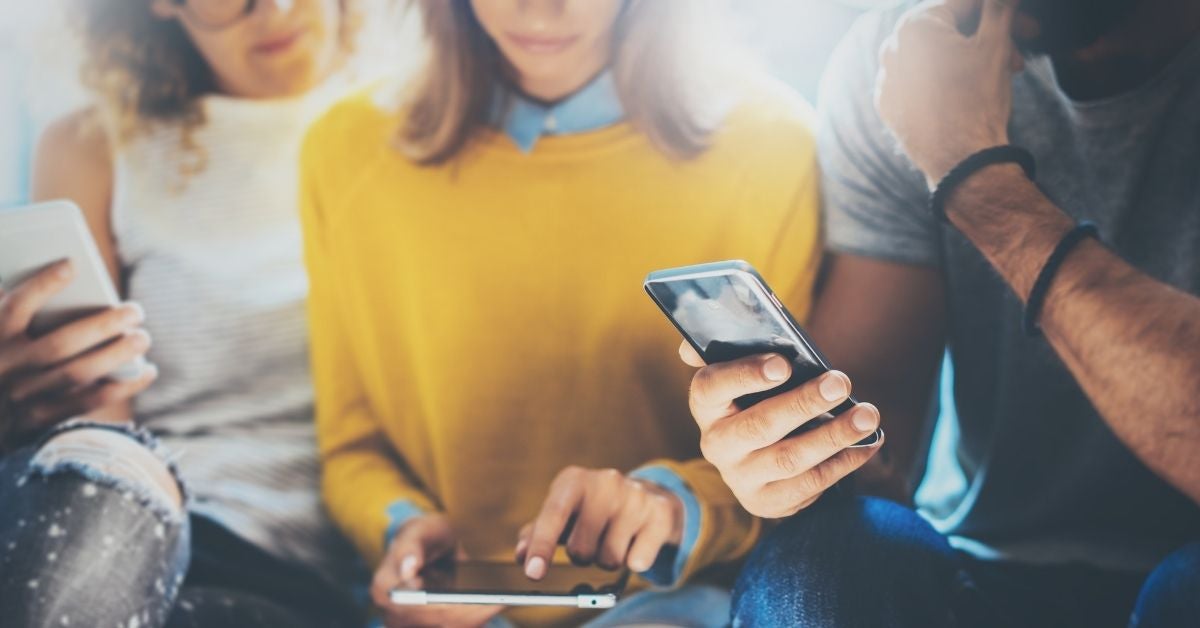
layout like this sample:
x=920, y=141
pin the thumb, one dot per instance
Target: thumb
x=419, y=544
x=996, y=23
x=409, y=554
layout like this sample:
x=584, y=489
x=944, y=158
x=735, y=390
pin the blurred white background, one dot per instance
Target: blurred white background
x=38, y=63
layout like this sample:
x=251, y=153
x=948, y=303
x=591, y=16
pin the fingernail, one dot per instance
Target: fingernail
x=864, y=418
x=142, y=336
x=834, y=386
x=64, y=269
x=151, y=370
x=536, y=568
x=408, y=567
x=134, y=313
x=776, y=368
x=638, y=565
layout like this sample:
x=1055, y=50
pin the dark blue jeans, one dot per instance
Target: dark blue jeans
x=864, y=562
x=80, y=546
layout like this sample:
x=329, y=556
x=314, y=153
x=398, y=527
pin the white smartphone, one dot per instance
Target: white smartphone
x=505, y=584
x=35, y=236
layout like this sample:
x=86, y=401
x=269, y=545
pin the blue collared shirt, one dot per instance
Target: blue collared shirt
x=525, y=121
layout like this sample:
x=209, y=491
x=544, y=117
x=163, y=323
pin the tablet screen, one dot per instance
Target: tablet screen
x=501, y=577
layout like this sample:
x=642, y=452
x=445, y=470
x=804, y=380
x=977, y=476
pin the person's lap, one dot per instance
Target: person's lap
x=868, y=562
x=689, y=606
x=87, y=542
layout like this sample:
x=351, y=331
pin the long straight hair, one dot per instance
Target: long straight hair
x=666, y=57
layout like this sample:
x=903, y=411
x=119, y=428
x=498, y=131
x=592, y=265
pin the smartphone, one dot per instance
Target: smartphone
x=505, y=584
x=35, y=236
x=726, y=311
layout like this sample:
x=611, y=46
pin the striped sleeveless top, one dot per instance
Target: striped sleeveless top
x=215, y=258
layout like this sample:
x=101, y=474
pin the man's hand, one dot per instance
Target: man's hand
x=773, y=476
x=943, y=94
x=617, y=521
x=423, y=541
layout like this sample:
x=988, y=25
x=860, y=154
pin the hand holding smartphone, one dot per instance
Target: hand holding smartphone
x=67, y=345
x=726, y=311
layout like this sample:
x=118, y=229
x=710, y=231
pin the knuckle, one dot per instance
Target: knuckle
x=50, y=349
x=787, y=459
x=747, y=376
x=837, y=434
x=702, y=385
x=814, y=481
x=751, y=426
x=572, y=472
x=8, y=308
x=802, y=401
x=78, y=375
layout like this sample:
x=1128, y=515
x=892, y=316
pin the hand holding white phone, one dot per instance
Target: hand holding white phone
x=67, y=343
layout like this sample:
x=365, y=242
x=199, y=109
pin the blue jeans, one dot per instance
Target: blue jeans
x=868, y=562
x=81, y=545
x=689, y=606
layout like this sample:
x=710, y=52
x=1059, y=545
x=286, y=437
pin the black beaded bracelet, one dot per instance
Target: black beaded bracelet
x=1037, y=295
x=1006, y=153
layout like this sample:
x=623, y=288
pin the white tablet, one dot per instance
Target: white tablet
x=36, y=236
x=505, y=584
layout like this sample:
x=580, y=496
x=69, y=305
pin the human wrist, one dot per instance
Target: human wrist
x=1009, y=220
x=936, y=168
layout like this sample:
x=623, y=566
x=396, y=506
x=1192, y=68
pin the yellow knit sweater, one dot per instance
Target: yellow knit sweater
x=480, y=326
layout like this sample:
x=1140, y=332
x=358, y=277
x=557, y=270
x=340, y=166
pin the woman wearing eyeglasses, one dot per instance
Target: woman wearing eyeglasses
x=490, y=376
x=207, y=512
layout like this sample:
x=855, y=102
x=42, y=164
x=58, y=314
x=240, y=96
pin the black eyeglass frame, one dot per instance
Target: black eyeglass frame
x=185, y=5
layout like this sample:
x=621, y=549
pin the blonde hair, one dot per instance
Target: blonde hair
x=666, y=54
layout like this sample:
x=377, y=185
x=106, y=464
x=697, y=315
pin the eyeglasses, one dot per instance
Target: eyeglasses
x=216, y=13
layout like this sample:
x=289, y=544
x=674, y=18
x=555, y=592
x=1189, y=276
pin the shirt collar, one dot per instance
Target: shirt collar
x=594, y=106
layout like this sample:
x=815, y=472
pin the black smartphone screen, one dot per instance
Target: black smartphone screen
x=726, y=311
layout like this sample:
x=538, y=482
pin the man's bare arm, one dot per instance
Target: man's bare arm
x=1132, y=343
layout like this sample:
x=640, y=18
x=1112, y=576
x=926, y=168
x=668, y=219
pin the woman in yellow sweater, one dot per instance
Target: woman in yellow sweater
x=487, y=366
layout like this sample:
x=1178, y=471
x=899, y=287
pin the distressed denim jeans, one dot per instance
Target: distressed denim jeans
x=86, y=539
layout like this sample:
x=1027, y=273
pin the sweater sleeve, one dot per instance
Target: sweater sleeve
x=727, y=532
x=362, y=479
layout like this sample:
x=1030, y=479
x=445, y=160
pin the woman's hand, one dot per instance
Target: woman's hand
x=62, y=374
x=617, y=521
x=422, y=541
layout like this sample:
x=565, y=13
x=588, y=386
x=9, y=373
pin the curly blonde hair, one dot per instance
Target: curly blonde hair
x=145, y=70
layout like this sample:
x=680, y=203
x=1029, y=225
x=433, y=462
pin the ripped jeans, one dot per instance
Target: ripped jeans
x=90, y=536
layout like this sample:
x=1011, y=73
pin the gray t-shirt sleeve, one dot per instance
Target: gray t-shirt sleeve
x=875, y=199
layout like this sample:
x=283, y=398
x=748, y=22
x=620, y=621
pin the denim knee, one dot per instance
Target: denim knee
x=84, y=543
x=848, y=562
x=1171, y=594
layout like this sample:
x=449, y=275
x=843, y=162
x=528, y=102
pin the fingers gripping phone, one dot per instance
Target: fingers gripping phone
x=32, y=238
x=726, y=311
